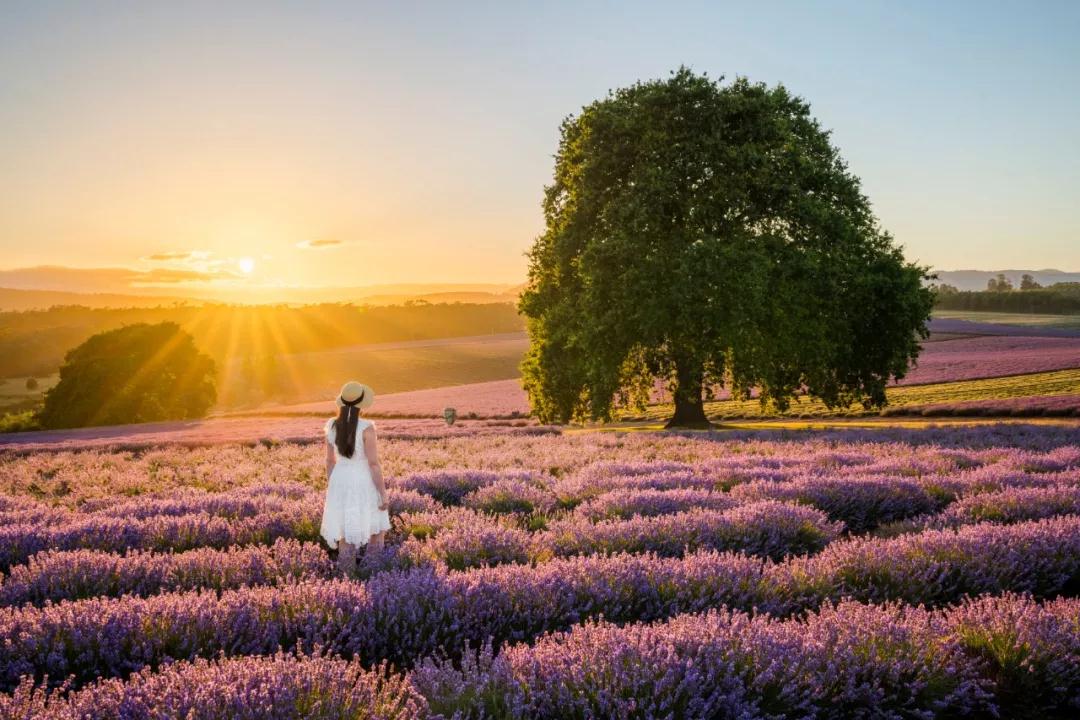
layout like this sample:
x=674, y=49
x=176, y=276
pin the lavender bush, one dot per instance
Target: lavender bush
x=510, y=496
x=1006, y=656
x=162, y=533
x=940, y=566
x=468, y=546
x=450, y=487
x=768, y=528
x=624, y=504
x=276, y=687
x=1013, y=504
x=56, y=575
x=187, y=524
x=861, y=503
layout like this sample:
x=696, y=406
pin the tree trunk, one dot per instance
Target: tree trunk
x=689, y=407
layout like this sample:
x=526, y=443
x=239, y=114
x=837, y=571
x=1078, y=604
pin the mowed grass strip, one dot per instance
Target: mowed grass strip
x=1059, y=382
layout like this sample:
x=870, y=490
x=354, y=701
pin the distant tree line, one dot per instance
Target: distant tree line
x=1002, y=296
x=34, y=342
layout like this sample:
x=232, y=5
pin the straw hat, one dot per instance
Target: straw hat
x=353, y=390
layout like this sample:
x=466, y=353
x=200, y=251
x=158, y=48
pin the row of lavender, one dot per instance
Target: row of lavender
x=213, y=521
x=258, y=515
x=619, y=498
x=471, y=540
x=628, y=511
x=768, y=529
x=73, y=479
x=402, y=617
x=942, y=474
x=1002, y=657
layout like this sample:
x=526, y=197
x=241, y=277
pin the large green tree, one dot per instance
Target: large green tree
x=710, y=234
x=137, y=373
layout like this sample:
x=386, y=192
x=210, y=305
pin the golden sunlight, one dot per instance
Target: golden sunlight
x=246, y=265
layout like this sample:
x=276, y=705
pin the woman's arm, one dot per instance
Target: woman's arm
x=372, y=453
x=331, y=460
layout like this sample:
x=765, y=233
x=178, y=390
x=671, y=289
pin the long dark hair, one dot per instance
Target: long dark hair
x=345, y=426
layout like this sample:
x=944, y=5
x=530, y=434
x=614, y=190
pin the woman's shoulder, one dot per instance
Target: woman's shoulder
x=328, y=429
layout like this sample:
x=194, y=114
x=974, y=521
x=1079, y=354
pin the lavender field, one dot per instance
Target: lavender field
x=536, y=574
x=1031, y=362
x=972, y=358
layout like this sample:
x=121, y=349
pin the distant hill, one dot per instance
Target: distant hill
x=977, y=279
x=441, y=297
x=387, y=294
x=41, y=287
x=11, y=299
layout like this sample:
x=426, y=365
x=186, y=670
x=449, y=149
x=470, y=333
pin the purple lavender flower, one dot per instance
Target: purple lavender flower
x=275, y=687
x=55, y=575
x=861, y=503
x=625, y=503
x=766, y=528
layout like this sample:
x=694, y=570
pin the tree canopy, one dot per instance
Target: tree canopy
x=137, y=373
x=710, y=234
x=999, y=284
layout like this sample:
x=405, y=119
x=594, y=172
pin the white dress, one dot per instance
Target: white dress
x=352, y=502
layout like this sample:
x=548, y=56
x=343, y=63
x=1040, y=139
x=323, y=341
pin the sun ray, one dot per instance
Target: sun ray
x=284, y=358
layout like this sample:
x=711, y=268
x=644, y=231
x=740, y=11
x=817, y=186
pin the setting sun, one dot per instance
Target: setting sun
x=246, y=265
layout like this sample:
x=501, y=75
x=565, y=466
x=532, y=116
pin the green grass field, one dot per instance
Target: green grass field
x=1061, y=382
x=397, y=367
x=15, y=397
x=1068, y=322
x=822, y=423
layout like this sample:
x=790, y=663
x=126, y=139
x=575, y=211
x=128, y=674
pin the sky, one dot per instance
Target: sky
x=347, y=144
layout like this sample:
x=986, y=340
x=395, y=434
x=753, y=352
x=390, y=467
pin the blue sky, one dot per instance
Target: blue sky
x=418, y=136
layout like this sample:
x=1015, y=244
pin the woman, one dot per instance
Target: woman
x=356, y=510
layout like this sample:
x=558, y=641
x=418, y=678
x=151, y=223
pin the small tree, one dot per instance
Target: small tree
x=999, y=284
x=1028, y=283
x=137, y=373
x=711, y=234
x=31, y=384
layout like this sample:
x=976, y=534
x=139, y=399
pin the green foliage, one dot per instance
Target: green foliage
x=999, y=284
x=1028, y=283
x=138, y=373
x=19, y=422
x=710, y=234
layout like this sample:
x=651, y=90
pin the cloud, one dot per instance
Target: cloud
x=201, y=262
x=315, y=244
x=166, y=256
x=187, y=256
